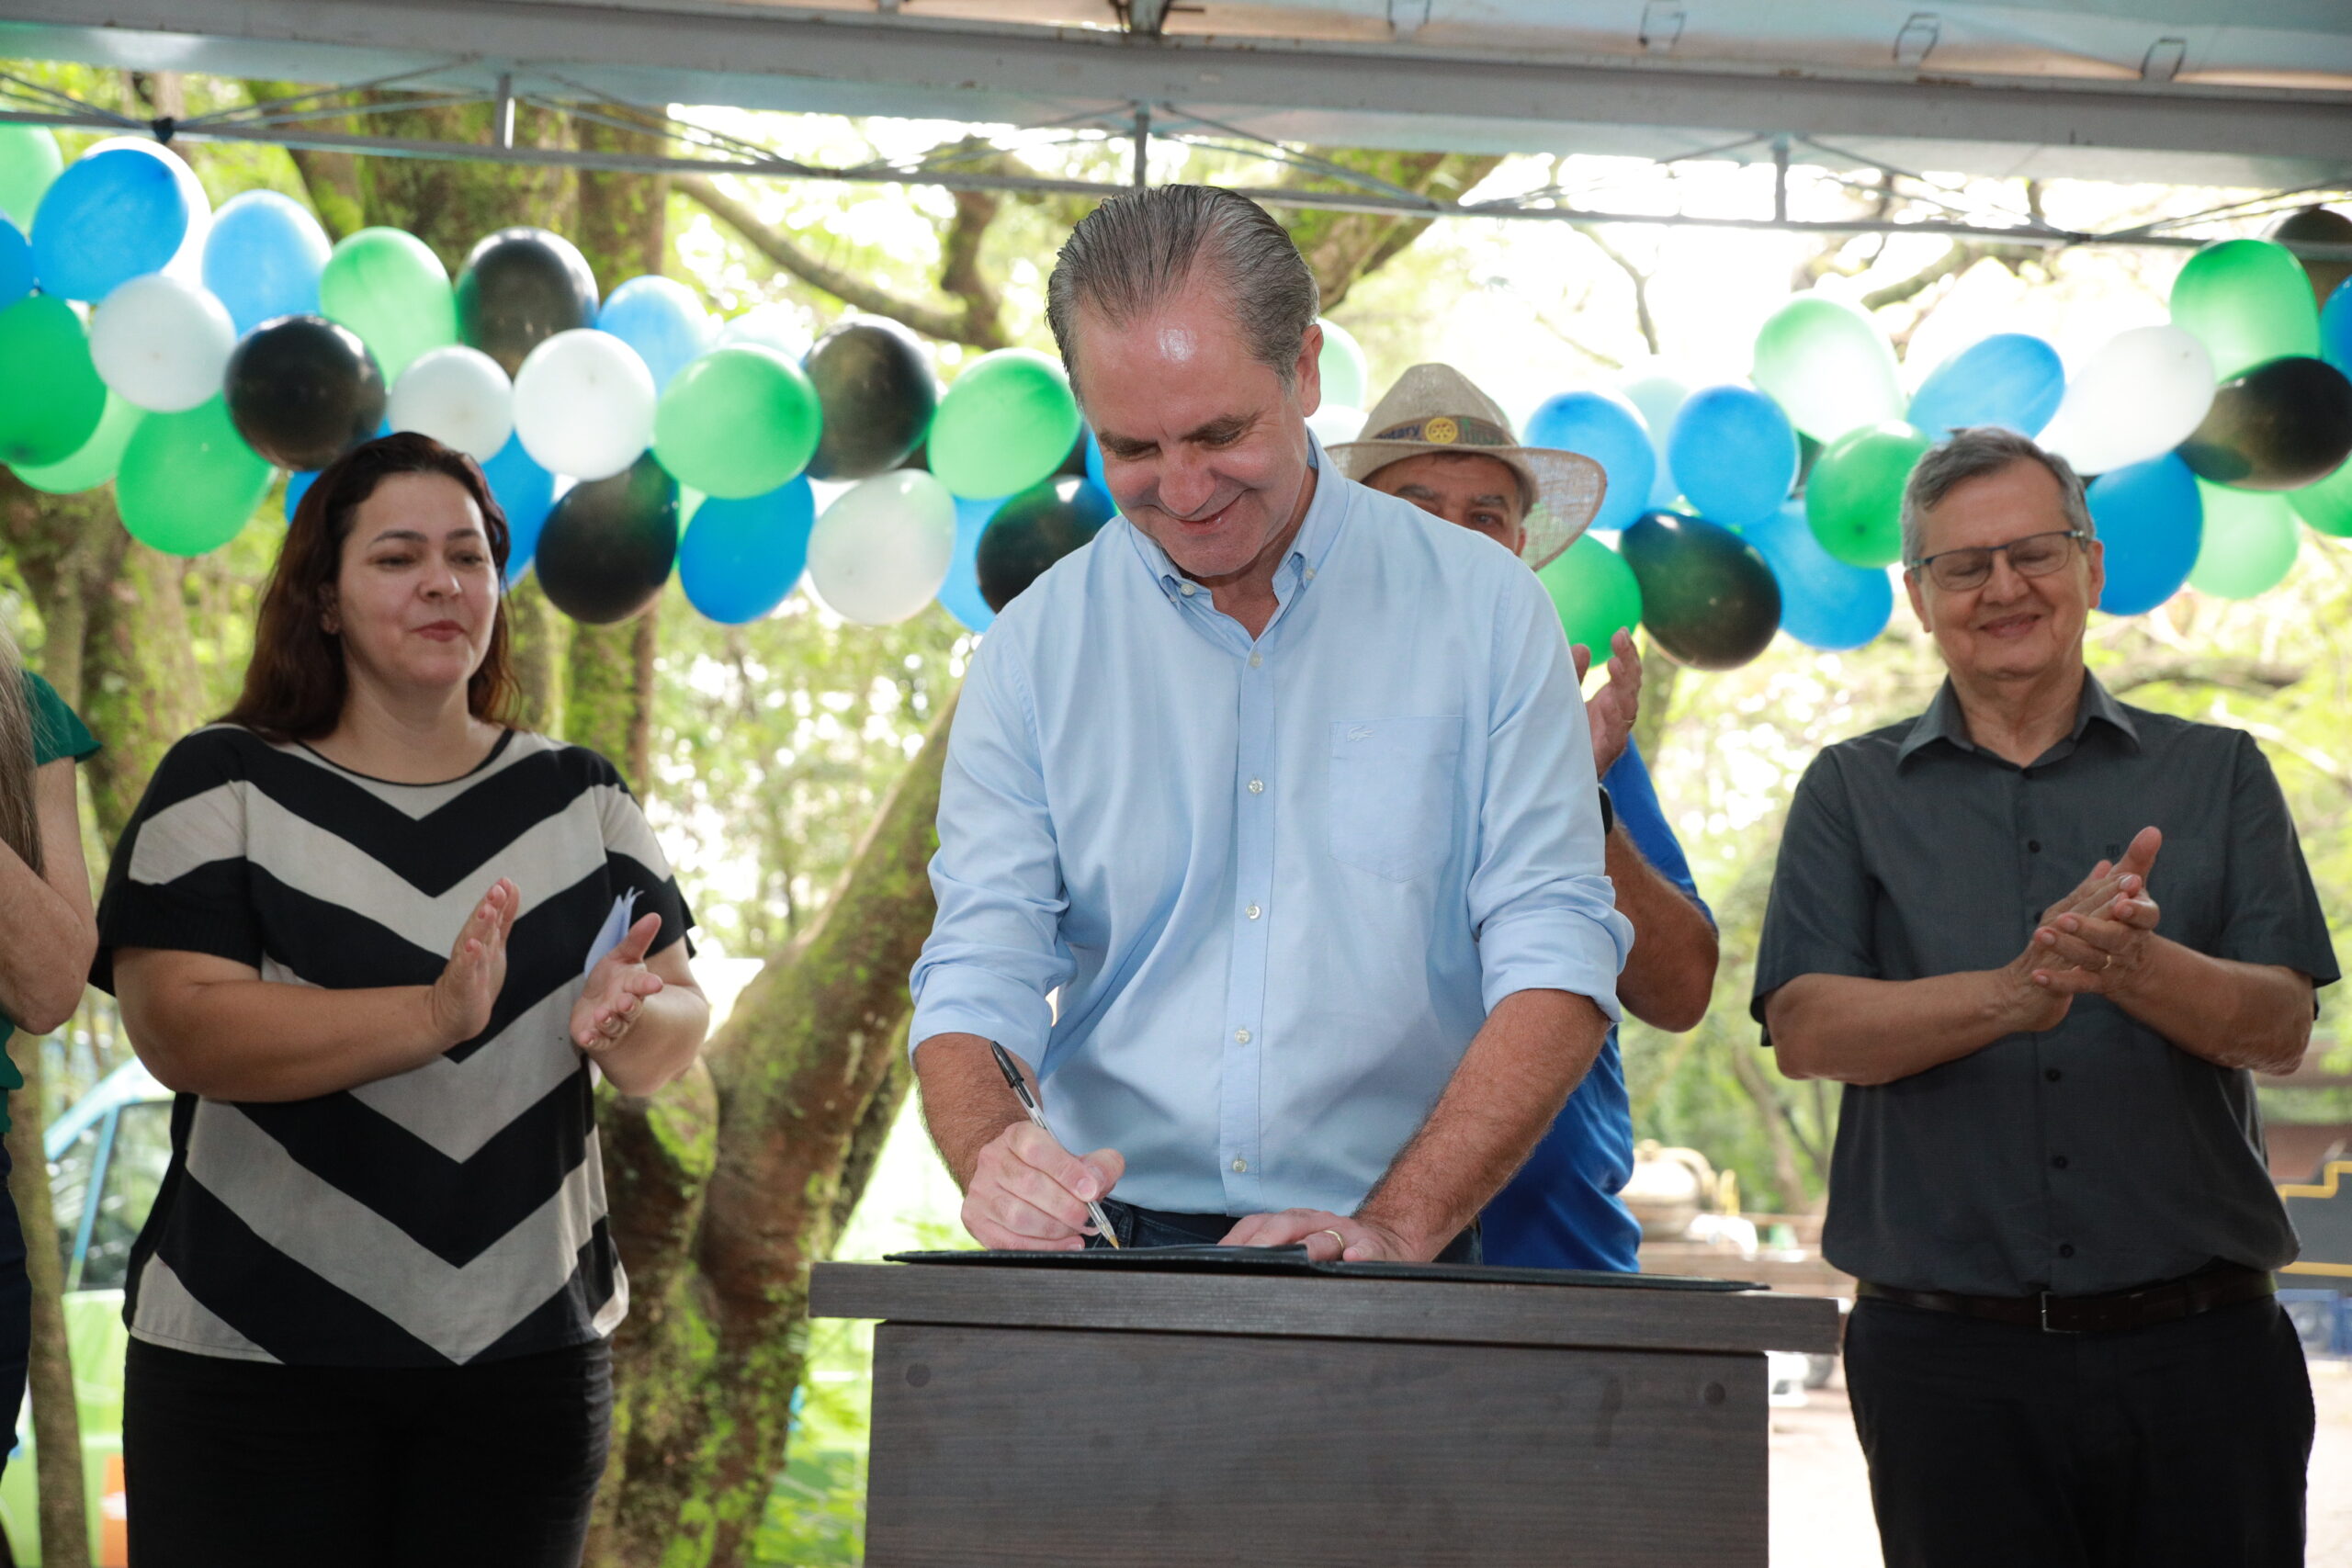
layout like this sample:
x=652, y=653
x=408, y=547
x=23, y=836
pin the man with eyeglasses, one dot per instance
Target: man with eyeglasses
x=2042, y=937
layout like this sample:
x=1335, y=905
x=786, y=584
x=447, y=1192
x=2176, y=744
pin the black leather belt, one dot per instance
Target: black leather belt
x=2217, y=1285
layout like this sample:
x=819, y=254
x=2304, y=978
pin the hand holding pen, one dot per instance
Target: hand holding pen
x=1026, y=1192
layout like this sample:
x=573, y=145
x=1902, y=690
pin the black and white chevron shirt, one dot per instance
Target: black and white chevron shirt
x=451, y=1213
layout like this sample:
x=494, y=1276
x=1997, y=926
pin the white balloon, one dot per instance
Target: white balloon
x=2138, y=398
x=1335, y=422
x=187, y=262
x=880, y=553
x=459, y=397
x=161, y=343
x=584, y=405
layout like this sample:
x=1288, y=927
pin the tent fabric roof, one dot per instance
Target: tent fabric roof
x=2162, y=91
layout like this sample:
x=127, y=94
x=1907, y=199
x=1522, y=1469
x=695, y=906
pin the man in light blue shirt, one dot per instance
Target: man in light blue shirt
x=1260, y=782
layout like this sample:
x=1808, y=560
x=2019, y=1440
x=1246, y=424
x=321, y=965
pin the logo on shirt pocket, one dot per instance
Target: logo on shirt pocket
x=1392, y=789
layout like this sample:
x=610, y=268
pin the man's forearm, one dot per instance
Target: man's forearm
x=1857, y=1030
x=1533, y=1050
x=2233, y=1014
x=964, y=1102
x=1671, y=973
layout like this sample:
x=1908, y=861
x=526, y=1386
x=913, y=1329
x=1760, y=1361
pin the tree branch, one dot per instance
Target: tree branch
x=2254, y=677
x=970, y=325
x=1641, y=281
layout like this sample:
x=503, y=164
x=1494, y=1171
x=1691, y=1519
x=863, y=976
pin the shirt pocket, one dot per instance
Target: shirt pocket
x=1392, y=786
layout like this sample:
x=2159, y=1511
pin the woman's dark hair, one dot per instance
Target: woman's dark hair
x=296, y=683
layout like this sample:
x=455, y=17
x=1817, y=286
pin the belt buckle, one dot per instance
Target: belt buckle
x=2044, y=1302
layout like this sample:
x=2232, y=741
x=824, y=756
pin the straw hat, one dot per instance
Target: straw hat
x=1434, y=408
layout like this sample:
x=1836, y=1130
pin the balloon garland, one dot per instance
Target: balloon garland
x=179, y=354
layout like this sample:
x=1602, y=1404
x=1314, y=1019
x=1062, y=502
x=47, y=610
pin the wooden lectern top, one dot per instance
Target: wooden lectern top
x=1327, y=1307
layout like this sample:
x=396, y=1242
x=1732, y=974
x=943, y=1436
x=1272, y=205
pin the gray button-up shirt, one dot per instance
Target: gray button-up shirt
x=2095, y=1156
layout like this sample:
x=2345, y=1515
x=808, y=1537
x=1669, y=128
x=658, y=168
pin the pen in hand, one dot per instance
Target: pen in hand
x=1011, y=1071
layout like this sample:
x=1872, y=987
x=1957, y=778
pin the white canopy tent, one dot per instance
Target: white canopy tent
x=2186, y=91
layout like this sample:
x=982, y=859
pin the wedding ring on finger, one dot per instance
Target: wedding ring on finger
x=1334, y=1235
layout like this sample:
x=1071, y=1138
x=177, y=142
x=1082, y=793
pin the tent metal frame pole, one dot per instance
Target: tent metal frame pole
x=1378, y=198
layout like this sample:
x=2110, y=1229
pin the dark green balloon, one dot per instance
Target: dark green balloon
x=2325, y=226
x=879, y=394
x=1033, y=530
x=50, y=397
x=608, y=545
x=518, y=289
x=2282, y=425
x=304, y=391
x=1708, y=598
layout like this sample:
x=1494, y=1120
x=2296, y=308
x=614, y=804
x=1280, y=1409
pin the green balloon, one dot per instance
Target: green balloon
x=29, y=160
x=96, y=460
x=2247, y=300
x=1853, y=498
x=2249, y=543
x=388, y=287
x=1594, y=590
x=737, y=422
x=188, y=480
x=1006, y=423
x=50, y=397
x=2327, y=505
x=1829, y=367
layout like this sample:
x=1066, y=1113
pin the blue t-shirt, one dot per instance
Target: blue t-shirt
x=1562, y=1210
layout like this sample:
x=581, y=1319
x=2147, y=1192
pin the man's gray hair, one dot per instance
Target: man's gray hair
x=1136, y=251
x=1971, y=454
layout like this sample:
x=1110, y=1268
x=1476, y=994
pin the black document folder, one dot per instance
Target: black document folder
x=1294, y=1260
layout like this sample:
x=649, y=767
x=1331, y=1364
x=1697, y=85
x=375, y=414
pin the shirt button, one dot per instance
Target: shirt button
x=1188, y=589
x=1256, y=659
x=2033, y=846
x=1242, y=1035
x=1241, y=1167
x=2058, y=1162
x=2053, y=1075
x=1310, y=574
x=1252, y=911
x=1257, y=787
x=2065, y=1249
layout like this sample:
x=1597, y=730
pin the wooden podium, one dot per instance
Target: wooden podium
x=1080, y=1418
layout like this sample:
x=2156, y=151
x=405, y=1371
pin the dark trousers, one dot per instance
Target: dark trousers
x=259, y=1465
x=1156, y=1227
x=2179, y=1445
x=16, y=1312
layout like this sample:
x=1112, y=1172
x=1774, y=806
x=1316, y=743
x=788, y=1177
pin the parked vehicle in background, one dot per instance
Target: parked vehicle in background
x=107, y=1156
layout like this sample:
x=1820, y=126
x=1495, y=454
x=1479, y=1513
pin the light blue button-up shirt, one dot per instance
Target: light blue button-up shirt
x=1279, y=885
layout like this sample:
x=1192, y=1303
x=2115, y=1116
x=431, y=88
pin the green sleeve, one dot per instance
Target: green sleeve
x=57, y=731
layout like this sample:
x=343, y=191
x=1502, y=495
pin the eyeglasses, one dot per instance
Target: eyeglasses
x=2036, y=555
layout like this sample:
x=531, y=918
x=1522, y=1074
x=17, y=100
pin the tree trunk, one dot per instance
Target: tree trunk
x=807, y=1072
x=538, y=642
x=57, y=1418
x=140, y=687
x=609, y=693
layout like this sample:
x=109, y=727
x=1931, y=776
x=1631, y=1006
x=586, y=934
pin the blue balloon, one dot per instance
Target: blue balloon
x=1610, y=434
x=298, y=485
x=740, y=557
x=2335, y=328
x=525, y=492
x=1825, y=603
x=262, y=258
x=110, y=218
x=2011, y=379
x=1093, y=461
x=1734, y=453
x=960, y=594
x=661, y=318
x=16, y=264
x=2152, y=521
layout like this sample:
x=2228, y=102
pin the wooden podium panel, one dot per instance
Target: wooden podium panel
x=1059, y=1419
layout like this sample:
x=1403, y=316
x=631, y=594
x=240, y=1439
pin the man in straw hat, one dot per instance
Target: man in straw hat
x=1261, y=782
x=1438, y=442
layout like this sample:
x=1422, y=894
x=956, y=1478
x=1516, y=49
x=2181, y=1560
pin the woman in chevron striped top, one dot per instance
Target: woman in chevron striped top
x=380, y=939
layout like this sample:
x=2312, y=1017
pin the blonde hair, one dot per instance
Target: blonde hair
x=20, y=813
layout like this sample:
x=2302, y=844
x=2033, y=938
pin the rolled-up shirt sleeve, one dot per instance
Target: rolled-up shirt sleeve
x=996, y=951
x=1544, y=912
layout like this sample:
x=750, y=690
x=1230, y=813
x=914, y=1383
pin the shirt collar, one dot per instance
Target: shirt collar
x=1317, y=533
x=1944, y=721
